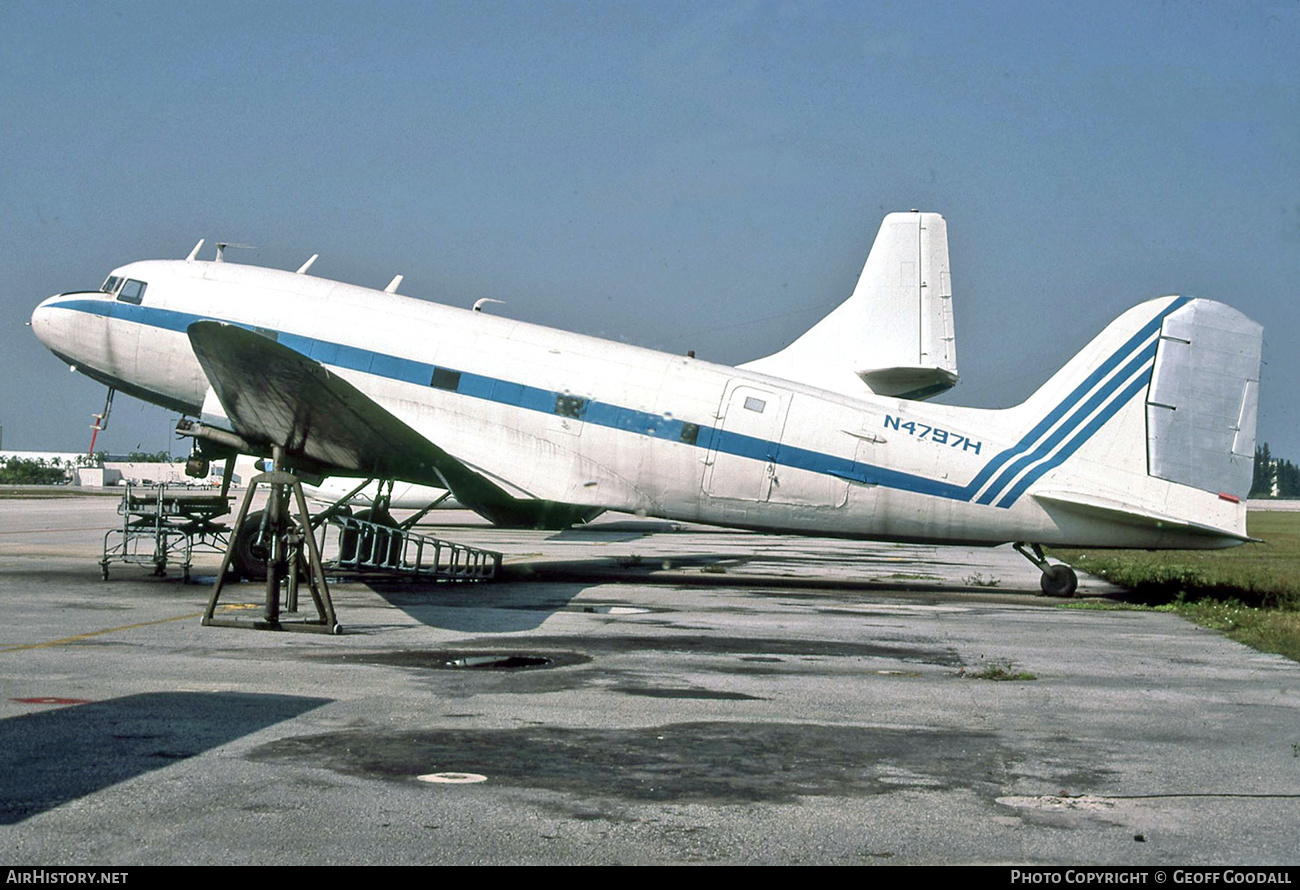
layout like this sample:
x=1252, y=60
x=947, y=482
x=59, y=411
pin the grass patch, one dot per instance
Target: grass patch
x=997, y=670
x=1104, y=606
x=1250, y=593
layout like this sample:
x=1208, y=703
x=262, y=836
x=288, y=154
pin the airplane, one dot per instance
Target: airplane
x=1145, y=439
x=403, y=496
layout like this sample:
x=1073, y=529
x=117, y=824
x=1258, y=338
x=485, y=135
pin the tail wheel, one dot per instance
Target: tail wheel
x=1059, y=580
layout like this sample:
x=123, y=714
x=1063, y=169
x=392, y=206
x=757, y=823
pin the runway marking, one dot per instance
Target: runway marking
x=52, y=530
x=108, y=630
x=51, y=700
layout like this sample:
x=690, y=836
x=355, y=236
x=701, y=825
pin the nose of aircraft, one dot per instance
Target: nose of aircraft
x=56, y=325
x=45, y=324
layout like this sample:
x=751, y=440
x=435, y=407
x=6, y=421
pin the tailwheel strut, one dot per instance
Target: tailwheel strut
x=1058, y=578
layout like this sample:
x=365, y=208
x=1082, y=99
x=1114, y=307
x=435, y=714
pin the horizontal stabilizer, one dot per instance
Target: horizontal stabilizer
x=1128, y=514
x=909, y=383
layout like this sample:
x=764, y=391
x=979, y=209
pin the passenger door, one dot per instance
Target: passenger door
x=742, y=454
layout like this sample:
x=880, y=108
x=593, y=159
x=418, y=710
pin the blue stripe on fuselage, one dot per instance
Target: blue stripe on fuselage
x=1070, y=424
x=712, y=438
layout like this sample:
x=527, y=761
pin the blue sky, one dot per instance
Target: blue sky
x=676, y=175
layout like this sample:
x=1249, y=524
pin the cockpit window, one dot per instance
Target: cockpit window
x=111, y=284
x=132, y=291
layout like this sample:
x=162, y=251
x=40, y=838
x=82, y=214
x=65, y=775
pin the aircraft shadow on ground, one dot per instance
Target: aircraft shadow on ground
x=735, y=569
x=501, y=607
x=528, y=593
x=49, y=758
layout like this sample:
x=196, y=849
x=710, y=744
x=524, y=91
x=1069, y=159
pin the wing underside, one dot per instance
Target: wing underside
x=275, y=396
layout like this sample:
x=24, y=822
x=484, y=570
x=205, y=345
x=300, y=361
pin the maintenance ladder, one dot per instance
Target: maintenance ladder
x=372, y=547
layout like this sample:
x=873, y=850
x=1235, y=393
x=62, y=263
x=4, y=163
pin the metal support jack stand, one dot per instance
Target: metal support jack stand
x=292, y=554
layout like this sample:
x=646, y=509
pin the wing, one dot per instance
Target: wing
x=275, y=396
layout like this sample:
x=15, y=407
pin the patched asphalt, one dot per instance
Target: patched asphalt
x=636, y=692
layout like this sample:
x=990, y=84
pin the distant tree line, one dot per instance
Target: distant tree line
x=56, y=471
x=33, y=471
x=1274, y=477
x=139, y=457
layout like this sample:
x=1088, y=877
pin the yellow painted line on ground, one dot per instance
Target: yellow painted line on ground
x=52, y=531
x=108, y=630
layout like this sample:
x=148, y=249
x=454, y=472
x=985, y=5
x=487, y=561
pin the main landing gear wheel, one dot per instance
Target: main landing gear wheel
x=250, y=551
x=247, y=554
x=1059, y=580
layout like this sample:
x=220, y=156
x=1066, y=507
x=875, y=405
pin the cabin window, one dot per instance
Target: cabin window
x=690, y=432
x=132, y=291
x=570, y=406
x=753, y=404
x=445, y=378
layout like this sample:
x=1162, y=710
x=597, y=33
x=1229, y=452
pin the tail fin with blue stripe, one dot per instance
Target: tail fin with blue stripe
x=1167, y=393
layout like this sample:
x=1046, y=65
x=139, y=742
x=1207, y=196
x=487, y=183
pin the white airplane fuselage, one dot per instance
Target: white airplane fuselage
x=579, y=420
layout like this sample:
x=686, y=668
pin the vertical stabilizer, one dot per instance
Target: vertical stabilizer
x=1151, y=425
x=894, y=336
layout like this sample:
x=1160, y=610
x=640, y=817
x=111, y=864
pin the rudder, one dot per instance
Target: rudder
x=1203, y=400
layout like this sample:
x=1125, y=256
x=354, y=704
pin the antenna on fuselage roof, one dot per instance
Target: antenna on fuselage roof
x=221, y=249
x=483, y=301
x=195, y=252
x=302, y=270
